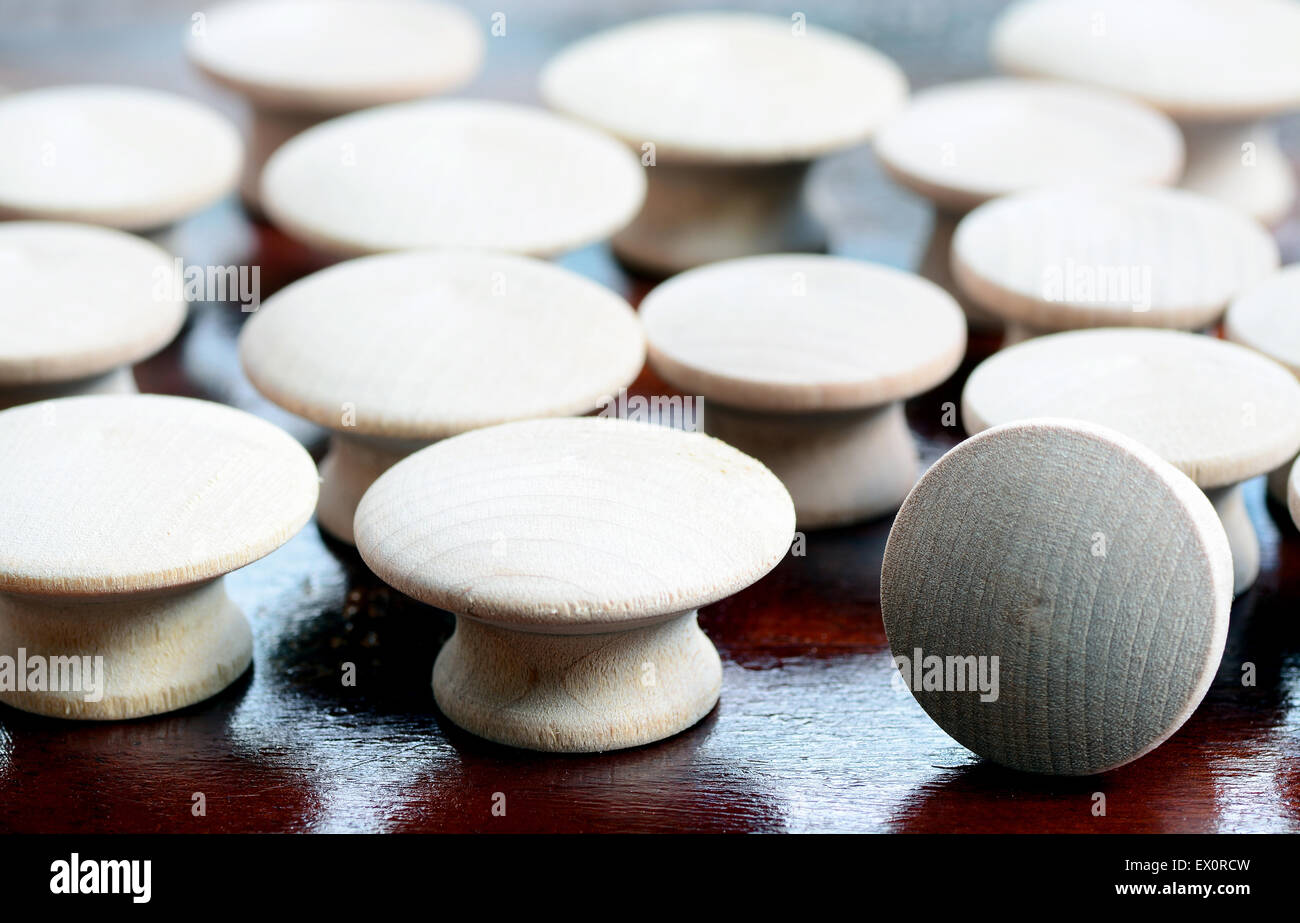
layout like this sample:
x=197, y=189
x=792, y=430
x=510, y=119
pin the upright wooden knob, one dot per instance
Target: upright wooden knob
x=962, y=144
x=575, y=554
x=1266, y=317
x=395, y=351
x=1056, y=596
x=297, y=62
x=78, y=305
x=126, y=157
x=120, y=516
x=803, y=362
x=453, y=173
x=1069, y=257
x=1218, y=412
x=728, y=111
x=1220, y=67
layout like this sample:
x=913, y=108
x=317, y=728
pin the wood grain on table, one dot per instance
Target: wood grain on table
x=813, y=732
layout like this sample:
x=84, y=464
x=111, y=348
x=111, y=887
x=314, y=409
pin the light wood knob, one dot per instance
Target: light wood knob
x=1077, y=256
x=1266, y=317
x=121, y=515
x=80, y=305
x=803, y=361
x=727, y=111
x=575, y=554
x=1218, y=412
x=451, y=173
x=961, y=144
x=395, y=351
x=1056, y=596
x=126, y=157
x=298, y=62
x=1220, y=67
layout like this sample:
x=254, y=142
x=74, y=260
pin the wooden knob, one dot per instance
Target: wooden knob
x=297, y=62
x=111, y=575
x=1068, y=257
x=1056, y=596
x=727, y=110
x=803, y=362
x=1266, y=317
x=575, y=554
x=1218, y=412
x=1218, y=68
x=961, y=144
x=127, y=157
x=462, y=173
x=395, y=351
x=80, y=305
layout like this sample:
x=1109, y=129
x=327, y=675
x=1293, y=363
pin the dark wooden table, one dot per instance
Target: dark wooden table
x=813, y=731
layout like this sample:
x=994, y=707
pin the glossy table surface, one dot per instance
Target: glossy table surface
x=813, y=732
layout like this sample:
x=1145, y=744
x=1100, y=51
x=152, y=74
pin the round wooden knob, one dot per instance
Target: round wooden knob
x=1056, y=596
x=167, y=156
x=1219, y=68
x=80, y=304
x=575, y=554
x=1068, y=257
x=803, y=362
x=121, y=514
x=961, y=144
x=1266, y=317
x=727, y=111
x=1218, y=412
x=297, y=62
x=457, y=173
x=395, y=351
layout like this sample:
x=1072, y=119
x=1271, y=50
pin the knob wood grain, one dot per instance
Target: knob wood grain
x=1218, y=412
x=1075, y=256
x=78, y=305
x=575, y=554
x=1266, y=317
x=127, y=157
x=1222, y=68
x=803, y=362
x=1095, y=573
x=727, y=109
x=451, y=173
x=298, y=62
x=121, y=516
x=395, y=351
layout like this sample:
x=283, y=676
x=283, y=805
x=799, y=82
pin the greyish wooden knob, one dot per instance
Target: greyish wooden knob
x=127, y=157
x=298, y=62
x=803, y=361
x=451, y=173
x=80, y=305
x=121, y=514
x=1082, y=255
x=1056, y=596
x=1222, y=68
x=1218, y=412
x=961, y=144
x=395, y=351
x=728, y=111
x=575, y=554
x=1266, y=317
